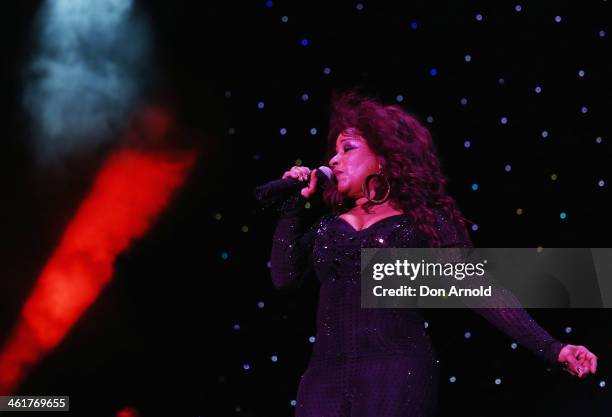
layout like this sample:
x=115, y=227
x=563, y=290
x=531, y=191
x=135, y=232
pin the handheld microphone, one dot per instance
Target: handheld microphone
x=279, y=188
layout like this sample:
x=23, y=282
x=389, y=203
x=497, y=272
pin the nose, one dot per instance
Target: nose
x=333, y=161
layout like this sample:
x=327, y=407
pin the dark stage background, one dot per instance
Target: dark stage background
x=523, y=135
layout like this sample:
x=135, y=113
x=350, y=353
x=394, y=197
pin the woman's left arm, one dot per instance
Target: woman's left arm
x=515, y=321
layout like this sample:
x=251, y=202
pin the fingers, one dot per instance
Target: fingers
x=298, y=172
x=312, y=185
x=573, y=366
x=580, y=361
x=590, y=362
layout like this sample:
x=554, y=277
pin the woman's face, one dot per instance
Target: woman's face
x=353, y=162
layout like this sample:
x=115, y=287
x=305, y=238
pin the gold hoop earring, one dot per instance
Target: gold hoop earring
x=366, y=189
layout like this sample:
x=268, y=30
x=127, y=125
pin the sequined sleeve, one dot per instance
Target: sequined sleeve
x=291, y=258
x=513, y=321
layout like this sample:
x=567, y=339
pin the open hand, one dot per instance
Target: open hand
x=578, y=360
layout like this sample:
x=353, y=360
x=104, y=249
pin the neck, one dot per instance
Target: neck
x=376, y=208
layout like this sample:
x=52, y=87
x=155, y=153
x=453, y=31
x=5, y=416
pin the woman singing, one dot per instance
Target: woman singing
x=389, y=191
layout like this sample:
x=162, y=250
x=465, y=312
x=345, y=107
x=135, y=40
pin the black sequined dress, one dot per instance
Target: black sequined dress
x=371, y=362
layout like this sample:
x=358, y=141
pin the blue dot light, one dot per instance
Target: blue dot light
x=562, y=215
x=474, y=187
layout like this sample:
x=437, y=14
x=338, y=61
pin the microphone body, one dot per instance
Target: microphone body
x=276, y=189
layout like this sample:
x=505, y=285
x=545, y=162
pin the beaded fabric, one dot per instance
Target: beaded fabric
x=372, y=362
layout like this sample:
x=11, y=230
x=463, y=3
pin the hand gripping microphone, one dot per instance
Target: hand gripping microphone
x=276, y=189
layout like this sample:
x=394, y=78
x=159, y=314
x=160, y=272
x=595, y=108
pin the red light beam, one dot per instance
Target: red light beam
x=129, y=193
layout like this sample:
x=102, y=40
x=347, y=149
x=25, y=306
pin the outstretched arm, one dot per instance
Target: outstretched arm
x=515, y=321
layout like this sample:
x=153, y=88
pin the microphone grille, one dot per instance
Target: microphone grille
x=326, y=171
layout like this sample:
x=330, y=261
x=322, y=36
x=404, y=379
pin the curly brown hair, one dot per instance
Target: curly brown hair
x=410, y=160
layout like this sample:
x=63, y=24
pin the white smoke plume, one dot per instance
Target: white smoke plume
x=90, y=65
